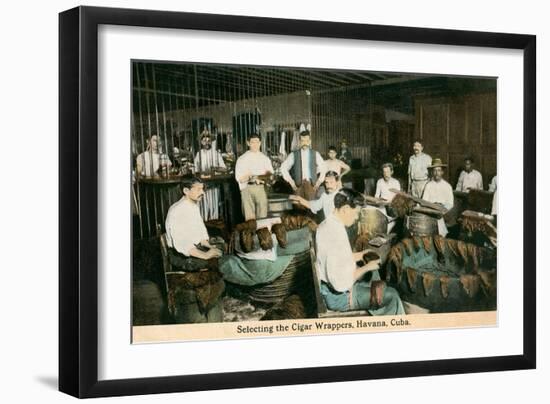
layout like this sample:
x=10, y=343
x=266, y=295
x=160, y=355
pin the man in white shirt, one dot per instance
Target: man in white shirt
x=249, y=166
x=205, y=160
x=342, y=285
x=469, y=178
x=418, y=170
x=334, y=164
x=383, y=186
x=326, y=201
x=304, y=169
x=439, y=191
x=148, y=162
x=186, y=234
x=387, y=182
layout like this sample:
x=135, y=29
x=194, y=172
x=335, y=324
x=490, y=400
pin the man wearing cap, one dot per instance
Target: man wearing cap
x=439, y=191
x=418, y=170
x=469, y=178
x=205, y=160
x=304, y=169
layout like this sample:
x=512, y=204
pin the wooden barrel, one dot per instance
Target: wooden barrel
x=420, y=224
x=278, y=204
x=372, y=222
x=296, y=277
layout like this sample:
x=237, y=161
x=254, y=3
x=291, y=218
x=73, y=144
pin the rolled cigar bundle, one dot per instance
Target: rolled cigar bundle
x=264, y=236
x=280, y=232
x=247, y=240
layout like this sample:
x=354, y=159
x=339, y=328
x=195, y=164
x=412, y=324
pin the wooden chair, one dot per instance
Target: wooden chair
x=322, y=310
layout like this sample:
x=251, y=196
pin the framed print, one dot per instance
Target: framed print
x=265, y=193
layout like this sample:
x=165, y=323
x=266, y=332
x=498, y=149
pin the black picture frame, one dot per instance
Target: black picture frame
x=78, y=200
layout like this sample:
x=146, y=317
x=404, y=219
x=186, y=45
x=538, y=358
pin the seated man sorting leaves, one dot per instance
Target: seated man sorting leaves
x=342, y=285
x=186, y=234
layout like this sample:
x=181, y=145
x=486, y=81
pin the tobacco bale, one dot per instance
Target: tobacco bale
x=444, y=282
x=247, y=240
x=376, y=293
x=473, y=253
x=470, y=283
x=428, y=280
x=292, y=307
x=463, y=251
x=453, y=247
x=440, y=244
x=411, y=279
x=264, y=236
x=427, y=241
x=208, y=286
x=402, y=205
x=280, y=232
x=248, y=225
x=407, y=246
x=489, y=282
x=294, y=222
x=417, y=243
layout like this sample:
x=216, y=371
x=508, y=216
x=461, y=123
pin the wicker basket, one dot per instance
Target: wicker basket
x=296, y=277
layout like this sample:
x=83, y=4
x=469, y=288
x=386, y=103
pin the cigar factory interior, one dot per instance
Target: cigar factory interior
x=271, y=193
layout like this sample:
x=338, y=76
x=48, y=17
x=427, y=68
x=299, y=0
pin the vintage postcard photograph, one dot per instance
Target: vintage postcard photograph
x=282, y=201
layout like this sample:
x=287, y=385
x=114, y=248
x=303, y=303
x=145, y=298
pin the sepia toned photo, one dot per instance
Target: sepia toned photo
x=275, y=201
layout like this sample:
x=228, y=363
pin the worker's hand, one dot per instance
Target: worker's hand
x=316, y=187
x=294, y=187
x=296, y=198
x=213, y=253
x=373, y=265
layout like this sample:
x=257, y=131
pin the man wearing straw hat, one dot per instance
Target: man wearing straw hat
x=439, y=191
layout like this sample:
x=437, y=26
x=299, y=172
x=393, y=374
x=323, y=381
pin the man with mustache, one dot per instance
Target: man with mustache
x=418, y=170
x=326, y=201
x=186, y=234
x=304, y=169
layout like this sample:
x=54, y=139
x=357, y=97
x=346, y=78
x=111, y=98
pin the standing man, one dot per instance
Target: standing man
x=205, y=160
x=336, y=165
x=186, y=234
x=326, y=201
x=418, y=170
x=439, y=191
x=304, y=169
x=249, y=166
x=148, y=162
x=345, y=153
x=342, y=286
x=469, y=178
x=383, y=186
